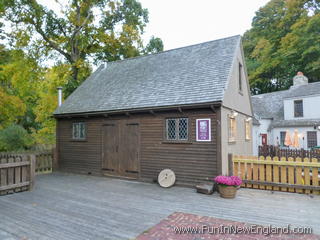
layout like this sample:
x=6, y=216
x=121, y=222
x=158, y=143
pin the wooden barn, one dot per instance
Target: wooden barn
x=184, y=109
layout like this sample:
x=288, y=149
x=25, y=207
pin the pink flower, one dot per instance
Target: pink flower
x=230, y=181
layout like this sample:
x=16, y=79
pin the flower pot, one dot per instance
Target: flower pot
x=227, y=191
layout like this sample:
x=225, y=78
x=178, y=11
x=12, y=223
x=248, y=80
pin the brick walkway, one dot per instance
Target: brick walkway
x=203, y=227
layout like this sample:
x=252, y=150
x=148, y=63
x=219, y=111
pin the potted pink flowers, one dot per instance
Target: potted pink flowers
x=228, y=186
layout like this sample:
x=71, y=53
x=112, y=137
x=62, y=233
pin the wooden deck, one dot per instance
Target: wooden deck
x=66, y=206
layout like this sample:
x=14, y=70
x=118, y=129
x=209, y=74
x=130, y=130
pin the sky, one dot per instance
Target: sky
x=185, y=22
x=181, y=23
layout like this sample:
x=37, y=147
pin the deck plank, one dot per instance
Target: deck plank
x=68, y=206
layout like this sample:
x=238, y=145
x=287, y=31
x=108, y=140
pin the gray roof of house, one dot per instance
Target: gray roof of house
x=270, y=105
x=295, y=123
x=189, y=75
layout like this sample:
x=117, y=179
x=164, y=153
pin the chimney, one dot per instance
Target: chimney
x=59, y=96
x=300, y=79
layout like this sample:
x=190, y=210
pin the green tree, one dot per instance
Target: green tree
x=283, y=40
x=155, y=45
x=102, y=30
x=14, y=137
x=19, y=77
x=47, y=103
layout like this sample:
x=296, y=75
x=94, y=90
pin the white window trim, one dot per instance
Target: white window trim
x=197, y=137
x=232, y=139
x=248, y=127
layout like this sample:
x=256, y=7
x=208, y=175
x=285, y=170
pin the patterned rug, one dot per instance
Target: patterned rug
x=184, y=226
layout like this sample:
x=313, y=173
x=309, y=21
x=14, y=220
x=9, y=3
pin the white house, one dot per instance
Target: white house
x=296, y=110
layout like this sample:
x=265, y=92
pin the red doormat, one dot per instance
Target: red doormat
x=184, y=226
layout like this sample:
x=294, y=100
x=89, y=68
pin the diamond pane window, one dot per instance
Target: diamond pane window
x=183, y=128
x=79, y=131
x=177, y=129
x=171, y=129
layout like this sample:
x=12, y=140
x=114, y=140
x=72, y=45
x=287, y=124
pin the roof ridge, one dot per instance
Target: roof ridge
x=286, y=90
x=174, y=49
x=259, y=95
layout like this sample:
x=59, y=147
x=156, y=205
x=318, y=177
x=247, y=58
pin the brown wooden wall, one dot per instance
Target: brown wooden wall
x=192, y=162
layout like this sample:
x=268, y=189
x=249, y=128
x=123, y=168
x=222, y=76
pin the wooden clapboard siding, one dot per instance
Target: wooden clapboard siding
x=80, y=156
x=192, y=161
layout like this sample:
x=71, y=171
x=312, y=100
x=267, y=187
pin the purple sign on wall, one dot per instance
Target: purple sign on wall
x=203, y=130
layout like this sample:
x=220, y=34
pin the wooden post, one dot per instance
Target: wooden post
x=283, y=173
x=299, y=173
x=243, y=173
x=236, y=167
x=24, y=173
x=255, y=174
x=3, y=175
x=249, y=172
x=230, y=165
x=315, y=178
x=262, y=172
x=10, y=173
x=268, y=173
x=306, y=172
x=291, y=174
x=17, y=173
x=276, y=173
x=32, y=171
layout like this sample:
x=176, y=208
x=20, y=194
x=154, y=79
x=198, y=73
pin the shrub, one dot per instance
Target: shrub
x=14, y=138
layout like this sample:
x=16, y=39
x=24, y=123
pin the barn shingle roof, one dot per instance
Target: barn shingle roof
x=189, y=75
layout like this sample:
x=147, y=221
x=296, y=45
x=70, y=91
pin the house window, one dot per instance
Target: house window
x=247, y=129
x=312, y=139
x=232, y=129
x=240, y=77
x=79, y=131
x=282, y=138
x=177, y=129
x=298, y=108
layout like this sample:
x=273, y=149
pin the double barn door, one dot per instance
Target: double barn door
x=121, y=144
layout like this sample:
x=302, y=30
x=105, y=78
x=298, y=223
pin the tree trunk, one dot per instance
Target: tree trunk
x=75, y=73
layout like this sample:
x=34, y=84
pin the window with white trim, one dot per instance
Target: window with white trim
x=240, y=77
x=282, y=138
x=247, y=129
x=298, y=108
x=79, y=131
x=232, y=129
x=312, y=139
x=177, y=129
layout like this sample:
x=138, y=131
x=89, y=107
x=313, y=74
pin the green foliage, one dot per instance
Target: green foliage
x=103, y=30
x=154, y=46
x=283, y=40
x=82, y=33
x=11, y=109
x=47, y=103
x=15, y=137
x=19, y=76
